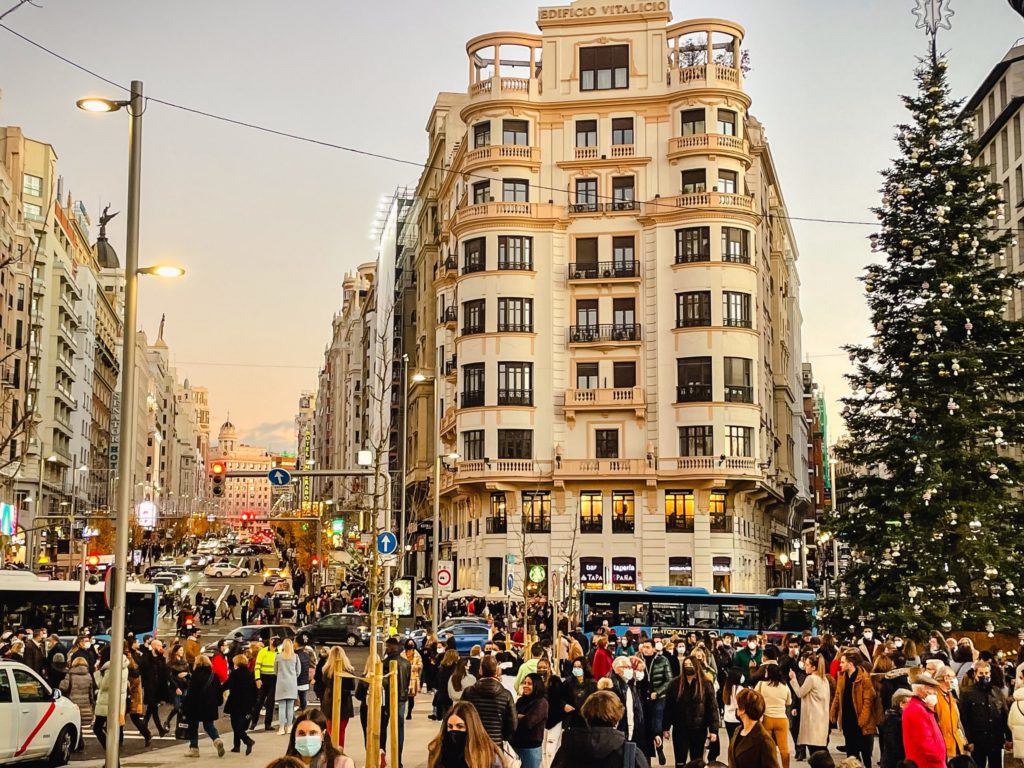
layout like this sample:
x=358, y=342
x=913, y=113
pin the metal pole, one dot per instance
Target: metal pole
x=402, y=469
x=124, y=474
x=81, y=569
x=33, y=557
x=435, y=595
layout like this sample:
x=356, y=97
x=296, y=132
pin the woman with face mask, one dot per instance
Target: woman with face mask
x=576, y=687
x=814, y=703
x=416, y=672
x=310, y=742
x=462, y=742
x=691, y=712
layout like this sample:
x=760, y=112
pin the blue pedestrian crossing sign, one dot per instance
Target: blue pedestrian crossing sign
x=279, y=476
x=387, y=543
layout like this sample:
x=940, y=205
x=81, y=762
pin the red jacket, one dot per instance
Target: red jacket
x=219, y=662
x=922, y=738
x=602, y=663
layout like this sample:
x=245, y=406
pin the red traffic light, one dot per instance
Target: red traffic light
x=316, y=560
x=218, y=468
x=93, y=560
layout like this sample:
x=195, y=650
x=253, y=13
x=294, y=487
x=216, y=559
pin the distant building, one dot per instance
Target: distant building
x=241, y=494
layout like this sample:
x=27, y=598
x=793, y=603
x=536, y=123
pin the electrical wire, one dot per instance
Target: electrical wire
x=403, y=161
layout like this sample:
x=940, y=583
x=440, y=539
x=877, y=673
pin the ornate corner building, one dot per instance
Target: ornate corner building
x=617, y=337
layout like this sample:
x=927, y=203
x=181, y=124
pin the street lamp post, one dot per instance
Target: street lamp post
x=135, y=106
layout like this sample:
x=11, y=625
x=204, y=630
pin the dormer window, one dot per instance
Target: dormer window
x=604, y=67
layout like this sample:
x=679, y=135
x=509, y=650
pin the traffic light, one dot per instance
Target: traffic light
x=217, y=470
x=93, y=561
x=315, y=561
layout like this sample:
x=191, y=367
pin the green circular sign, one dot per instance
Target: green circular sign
x=537, y=574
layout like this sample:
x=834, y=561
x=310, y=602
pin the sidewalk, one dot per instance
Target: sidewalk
x=418, y=733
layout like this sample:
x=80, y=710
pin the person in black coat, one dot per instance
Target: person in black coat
x=200, y=704
x=576, y=688
x=890, y=730
x=240, y=689
x=599, y=743
x=153, y=667
x=691, y=711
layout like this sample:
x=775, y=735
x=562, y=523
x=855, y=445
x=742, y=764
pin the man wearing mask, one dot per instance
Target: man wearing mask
x=659, y=674
x=983, y=712
x=867, y=644
x=35, y=651
x=621, y=678
x=854, y=708
x=392, y=653
x=947, y=712
x=791, y=664
x=922, y=739
x=748, y=658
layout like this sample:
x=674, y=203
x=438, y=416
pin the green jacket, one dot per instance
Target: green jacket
x=741, y=661
x=659, y=672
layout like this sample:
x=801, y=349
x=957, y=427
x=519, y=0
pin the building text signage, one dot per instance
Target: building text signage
x=604, y=9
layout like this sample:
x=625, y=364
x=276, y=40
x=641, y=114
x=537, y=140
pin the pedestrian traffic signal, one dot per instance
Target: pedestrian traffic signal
x=217, y=470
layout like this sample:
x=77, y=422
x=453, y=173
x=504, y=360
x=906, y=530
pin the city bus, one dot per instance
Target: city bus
x=26, y=600
x=667, y=610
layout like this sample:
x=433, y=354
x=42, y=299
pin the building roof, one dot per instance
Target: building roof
x=106, y=256
x=1015, y=54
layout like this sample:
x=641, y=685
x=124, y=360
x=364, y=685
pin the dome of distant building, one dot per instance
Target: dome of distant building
x=106, y=256
x=227, y=431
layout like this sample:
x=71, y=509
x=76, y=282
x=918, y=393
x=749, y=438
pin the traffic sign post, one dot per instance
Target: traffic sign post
x=387, y=543
x=445, y=574
x=279, y=476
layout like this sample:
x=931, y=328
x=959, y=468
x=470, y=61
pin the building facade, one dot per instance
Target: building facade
x=616, y=300
x=249, y=495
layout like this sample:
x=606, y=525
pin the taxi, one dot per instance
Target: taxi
x=36, y=722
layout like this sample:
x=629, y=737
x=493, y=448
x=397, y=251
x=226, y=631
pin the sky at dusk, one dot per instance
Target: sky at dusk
x=268, y=226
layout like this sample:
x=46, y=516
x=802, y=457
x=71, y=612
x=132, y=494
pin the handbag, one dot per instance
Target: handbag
x=181, y=730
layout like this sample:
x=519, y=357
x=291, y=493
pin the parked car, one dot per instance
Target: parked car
x=225, y=569
x=466, y=634
x=38, y=722
x=246, y=634
x=349, y=628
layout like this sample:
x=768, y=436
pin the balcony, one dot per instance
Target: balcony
x=588, y=469
x=499, y=87
x=701, y=76
x=501, y=212
x=693, y=393
x=515, y=397
x=451, y=366
x=736, y=394
x=446, y=271
x=501, y=154
x=623, y=525
x=592, y=334
x=623, y=150
x=722, y=201
x=593, y=524
x=492, y=470
x=687, y=467
x=448, y=421
x=514, y=328
x=721, y=523
x=586, y=153
x=539, y=524
x=473, y=266
x=736, y=322
x=692, y=258
x=709, y=144
x=607, y=270
x=605, y=399
x=678, y=523
x=615, y=206
x=497, y=525
x=450, y=316
x=472, y=399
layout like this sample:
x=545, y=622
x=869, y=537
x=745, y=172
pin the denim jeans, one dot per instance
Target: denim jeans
x=286, y=713
x=657, y=716
x=193, y=732
x=530, y=757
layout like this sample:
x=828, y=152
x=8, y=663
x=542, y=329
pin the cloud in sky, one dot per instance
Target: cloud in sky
x=273, y=435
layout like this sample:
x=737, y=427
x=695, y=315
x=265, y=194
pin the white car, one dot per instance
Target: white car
x=224, y=569
x=36, y=722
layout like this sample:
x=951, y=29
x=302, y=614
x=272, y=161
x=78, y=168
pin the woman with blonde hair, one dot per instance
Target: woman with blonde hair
x=814, y=695
x=462, y=742
x=287, y=667
x=336, y=657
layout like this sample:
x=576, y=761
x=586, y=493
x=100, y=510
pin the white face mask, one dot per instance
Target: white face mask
x=931, y=700
x=639, y=676
x=658, y=646
x=898, y=643
x=627, y=674
x=867, y=635
x=752, y=645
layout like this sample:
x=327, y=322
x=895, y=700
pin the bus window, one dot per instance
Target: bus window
x=666, y=615
x=796, y=615
x=701, y=616
x=599, y=610
x=633, y=614
x=740, y=616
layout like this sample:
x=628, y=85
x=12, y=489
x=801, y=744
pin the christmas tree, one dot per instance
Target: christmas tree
x=935, y=525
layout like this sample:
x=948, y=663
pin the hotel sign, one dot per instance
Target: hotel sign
x=307, y=452
x=577, y=11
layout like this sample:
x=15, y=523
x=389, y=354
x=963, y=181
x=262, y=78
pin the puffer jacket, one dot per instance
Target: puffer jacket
x=1016, y=723
x=104, y=687
x=80, y=687
x=659, y=672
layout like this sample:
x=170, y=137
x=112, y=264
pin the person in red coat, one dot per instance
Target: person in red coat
x=922, y=738
x=601, y=661
x=219, y=661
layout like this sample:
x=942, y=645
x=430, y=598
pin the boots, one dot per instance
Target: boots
x=192, y=752
x=219, y=744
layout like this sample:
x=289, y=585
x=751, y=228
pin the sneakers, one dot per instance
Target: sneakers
x=192, y=752
x=280, y=731
x=219, y=744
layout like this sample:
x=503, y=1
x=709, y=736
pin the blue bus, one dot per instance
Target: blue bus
x=29, y=601
x=667, y=610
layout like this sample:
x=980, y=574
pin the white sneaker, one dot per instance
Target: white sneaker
x=280, y=731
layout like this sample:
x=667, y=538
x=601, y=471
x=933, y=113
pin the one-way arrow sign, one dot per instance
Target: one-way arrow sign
x=279, y=476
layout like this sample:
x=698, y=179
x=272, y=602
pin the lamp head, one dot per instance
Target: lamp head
x=97, y=104
x=162, y=270
x=419, y=378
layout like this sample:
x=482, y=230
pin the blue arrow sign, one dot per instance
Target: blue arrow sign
x=279, y=476
x=387, y=543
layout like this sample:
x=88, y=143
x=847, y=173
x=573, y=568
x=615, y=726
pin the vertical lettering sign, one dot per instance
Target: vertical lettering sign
x=115, y=429
x=307, y=455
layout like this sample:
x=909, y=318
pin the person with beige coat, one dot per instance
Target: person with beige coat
x=814, y=697
x=1016, y=724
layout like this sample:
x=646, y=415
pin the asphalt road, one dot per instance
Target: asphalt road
x=217, y=588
